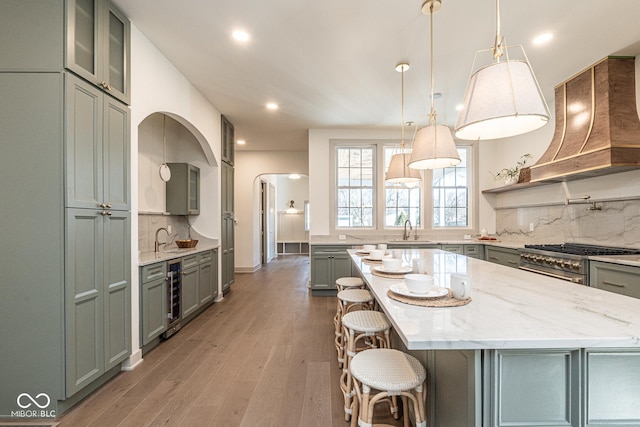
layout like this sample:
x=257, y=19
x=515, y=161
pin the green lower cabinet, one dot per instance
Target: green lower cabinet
x=573, y=387
x=414, y=246
x=98, y=313
x=621, y=279
x=327, y=265
x=189, y=291
x=534, y=388
x=153, y=301
x=208, y=280
x=500, y=255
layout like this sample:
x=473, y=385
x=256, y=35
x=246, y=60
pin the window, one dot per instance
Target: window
x=355, y=186
x=401, y=201
x=363, y=200
x=451, y=193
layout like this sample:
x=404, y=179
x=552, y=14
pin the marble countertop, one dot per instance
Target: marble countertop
x=510, y=309
x=332, y=240
x=632, y=260
x=146, y=258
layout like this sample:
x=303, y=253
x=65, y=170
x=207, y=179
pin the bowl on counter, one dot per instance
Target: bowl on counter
x=419, y=283
x=189, y=243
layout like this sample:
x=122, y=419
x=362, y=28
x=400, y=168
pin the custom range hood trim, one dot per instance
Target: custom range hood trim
x=609, y=140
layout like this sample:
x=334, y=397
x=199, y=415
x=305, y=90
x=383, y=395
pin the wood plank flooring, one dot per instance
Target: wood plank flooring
x=264, y=356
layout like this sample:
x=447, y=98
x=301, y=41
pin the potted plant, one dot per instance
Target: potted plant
x=510, y=175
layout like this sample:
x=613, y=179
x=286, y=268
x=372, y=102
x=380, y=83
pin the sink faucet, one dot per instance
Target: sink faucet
x=405, y=235
x=156, y=247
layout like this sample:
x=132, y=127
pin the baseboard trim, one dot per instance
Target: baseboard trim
x=242, y=270
x=133, y=361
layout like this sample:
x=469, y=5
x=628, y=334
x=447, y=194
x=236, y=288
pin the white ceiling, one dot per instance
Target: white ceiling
x=331, y=63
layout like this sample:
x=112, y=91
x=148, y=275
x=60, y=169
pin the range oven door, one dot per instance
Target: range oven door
x=555, y=273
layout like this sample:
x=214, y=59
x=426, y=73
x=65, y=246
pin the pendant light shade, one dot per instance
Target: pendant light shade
x=434, y=146
x=399, y=172
x=502, y=99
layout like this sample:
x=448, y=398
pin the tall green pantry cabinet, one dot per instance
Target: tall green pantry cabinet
x=227, y=261
x=65, y=172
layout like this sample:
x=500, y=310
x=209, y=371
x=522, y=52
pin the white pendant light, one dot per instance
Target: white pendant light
x=398, y=171
x=434, y=146
x=502, y=99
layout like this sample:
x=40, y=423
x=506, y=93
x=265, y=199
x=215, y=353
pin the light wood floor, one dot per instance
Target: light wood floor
x=264, y=356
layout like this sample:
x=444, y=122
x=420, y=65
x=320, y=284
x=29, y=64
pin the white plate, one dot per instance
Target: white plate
x=401, y=289
x=372, y=259
x=362, y=252
x=401, y=270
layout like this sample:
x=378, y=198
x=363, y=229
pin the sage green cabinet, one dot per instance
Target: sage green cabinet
x=618, y=278
x=228, y=141
x=71, y=214
x=97, y=45
x=98, y=322
x=183, y=189
x=153, y=301
x=227, y=261
x=197, y=283
x=500, y=255
x=414, y=246
x=97, y=148
x=328, y=263
x=208, y=283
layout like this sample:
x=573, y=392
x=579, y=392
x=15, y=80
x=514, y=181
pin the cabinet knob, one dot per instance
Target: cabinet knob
x=102, y=205
x=103, y=213
x=108, y=205
x=109, y=213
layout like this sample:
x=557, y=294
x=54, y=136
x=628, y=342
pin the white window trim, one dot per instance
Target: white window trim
x=427, y=196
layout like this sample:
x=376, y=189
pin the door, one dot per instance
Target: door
x=84, y=298
x=228, y=220
x=117, y=292
x=271, y=223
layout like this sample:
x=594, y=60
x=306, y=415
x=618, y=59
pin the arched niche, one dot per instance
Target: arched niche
x=184, y=144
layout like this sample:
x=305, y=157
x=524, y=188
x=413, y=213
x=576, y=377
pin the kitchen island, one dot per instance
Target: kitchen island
x=527, y=350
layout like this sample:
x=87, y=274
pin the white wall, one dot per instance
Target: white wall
x=292, y=189
x=248, y=166
x=158, y=86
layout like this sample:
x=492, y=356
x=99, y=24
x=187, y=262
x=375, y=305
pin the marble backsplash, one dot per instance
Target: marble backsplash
x=616, y=224
x=149, y=223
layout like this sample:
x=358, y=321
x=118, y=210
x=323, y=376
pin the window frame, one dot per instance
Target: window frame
x=374, y=179
x=379, y=193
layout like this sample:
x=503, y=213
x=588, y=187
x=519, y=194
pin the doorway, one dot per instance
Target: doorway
x=267, y=222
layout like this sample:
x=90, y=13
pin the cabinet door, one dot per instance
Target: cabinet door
x=189, y=288
x=194, y=190
x=321, y=271
x=116, y=36
x=621, y=279
x=154, y=309
x=83, y=144
x=341, y=268
x=456, y=249
x=84, y=298
x=117, y=290
x=82, y=18
x=228, y=236
x=205, y=285
x=227, y=138
x=116, y=155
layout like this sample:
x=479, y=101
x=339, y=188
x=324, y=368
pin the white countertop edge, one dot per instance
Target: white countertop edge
x=146, y=258
x=631, y=260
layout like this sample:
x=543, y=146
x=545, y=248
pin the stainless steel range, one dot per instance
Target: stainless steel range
x=568, y=261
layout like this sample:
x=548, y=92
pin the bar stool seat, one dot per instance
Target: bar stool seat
x=372, y=330
x=349, y=300
x=391, y=373
x=349, y=283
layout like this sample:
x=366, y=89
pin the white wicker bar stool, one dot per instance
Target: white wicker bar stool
x=362, y=330
x=349, y=300
x=349, y=283
x=392, y=373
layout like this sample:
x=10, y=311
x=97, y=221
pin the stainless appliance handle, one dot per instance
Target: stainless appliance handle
x=577, y=280
x=170, y=314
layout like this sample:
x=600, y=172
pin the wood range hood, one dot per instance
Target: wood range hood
x=597, y=128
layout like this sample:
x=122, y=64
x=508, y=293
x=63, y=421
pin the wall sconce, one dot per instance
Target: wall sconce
x=291, y=209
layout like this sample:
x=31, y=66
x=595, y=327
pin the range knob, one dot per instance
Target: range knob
x=575, y=265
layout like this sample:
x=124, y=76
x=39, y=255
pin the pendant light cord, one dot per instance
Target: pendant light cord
x=432, y=114
x=164, y=139
x=402, y=108
x=498, y=48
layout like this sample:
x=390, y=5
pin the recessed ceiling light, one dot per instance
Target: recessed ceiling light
x=542, y=39
x=272, y=106
x=459, y=107
x=240, y=35
x=241, y=142
x=294, y=176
